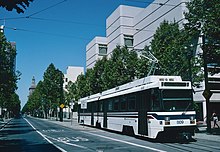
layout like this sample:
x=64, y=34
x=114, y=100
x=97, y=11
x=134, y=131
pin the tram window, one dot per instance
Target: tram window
x=155, y=100
x=89, y=108
x=100, y=106
x=95, y=107
x=110, y=105
x=116, y=104
x=123, y=103
x=131, y=102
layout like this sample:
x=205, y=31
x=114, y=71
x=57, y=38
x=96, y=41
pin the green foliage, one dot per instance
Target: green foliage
x=203, y=16
x=18, y=5
x=8, y=76
x=172, y=47
x=143, y=65
x=166, y=46
x=48, y=94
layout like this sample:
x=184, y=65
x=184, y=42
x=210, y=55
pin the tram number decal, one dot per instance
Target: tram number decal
x=180, y=122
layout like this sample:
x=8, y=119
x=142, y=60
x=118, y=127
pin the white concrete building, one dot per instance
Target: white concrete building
x=134, y=27
x=95, y=50
x=72, y=72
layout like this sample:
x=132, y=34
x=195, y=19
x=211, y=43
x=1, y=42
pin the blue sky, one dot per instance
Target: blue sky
x=57, y=32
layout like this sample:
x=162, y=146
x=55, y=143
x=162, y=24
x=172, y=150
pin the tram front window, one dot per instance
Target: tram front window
x=177, y=100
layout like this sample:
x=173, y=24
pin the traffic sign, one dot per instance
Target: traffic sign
x=207, y=94
x=62, y=106
x=83, y=104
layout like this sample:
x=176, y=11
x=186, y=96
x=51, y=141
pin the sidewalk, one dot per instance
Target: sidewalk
x=70, y=124
x=200, y=134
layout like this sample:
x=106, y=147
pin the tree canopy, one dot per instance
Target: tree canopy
x=203, y=18
x=18, y=5
x=8, y=75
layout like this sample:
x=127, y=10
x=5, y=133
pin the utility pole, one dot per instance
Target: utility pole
x=207, y=92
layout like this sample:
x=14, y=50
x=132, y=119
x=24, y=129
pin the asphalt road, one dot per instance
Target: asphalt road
x=30, y=134
x=19, y=136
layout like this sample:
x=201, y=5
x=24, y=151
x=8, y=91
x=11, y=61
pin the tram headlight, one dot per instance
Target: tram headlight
x=192, y=120
x=167, y=120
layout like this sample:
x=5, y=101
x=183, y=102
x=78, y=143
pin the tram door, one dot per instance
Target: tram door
x=142, y=113
x=105, y=106
x=92, y=113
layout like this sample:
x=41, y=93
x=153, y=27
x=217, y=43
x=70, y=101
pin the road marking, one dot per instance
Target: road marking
x=52, y=130
x=66, y=141
x=61, y=149
x=126, y=142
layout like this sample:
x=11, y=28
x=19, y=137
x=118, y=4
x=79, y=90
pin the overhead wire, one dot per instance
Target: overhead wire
x=65, y=21
x=148, y=2
x=47, y=8
x=46, y=33
x=74, y=22
x=28, y=16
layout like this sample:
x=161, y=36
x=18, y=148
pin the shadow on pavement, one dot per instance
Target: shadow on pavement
x=19, y=145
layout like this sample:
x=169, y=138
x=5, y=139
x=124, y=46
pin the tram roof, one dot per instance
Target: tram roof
x=134, y=86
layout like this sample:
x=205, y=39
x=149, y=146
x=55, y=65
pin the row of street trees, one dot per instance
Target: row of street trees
x=10, y=104
x=9, y=100
x=48, y=95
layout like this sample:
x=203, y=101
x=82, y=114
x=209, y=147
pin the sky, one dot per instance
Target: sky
x=56, y=31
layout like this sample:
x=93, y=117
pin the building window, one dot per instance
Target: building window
x=128, y=40
x=102, y=49
x=66, y=80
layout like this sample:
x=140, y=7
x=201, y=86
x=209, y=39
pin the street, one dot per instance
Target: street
x=18, y=135
x=31, y=134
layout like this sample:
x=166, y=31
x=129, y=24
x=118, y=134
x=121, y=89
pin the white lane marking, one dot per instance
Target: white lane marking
x=61, y=149
x=126, y=142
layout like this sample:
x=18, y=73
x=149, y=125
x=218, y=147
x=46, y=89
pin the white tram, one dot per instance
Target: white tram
x=154, y=106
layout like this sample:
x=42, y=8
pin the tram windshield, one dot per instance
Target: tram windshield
x=177, y=100
x=171, y=100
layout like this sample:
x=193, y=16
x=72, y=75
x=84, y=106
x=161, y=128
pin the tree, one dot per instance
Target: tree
x=143, y=64
x=123, y=65
x=34, y=105
x=53, y=89
x=18, y=5
x=81, y=85
x=203, y=16
x=71, y=93
x=97, y=84
x=14, y=105
x=8, y=75
x=169, y=47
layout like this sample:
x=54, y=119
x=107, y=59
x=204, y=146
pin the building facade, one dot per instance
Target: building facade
x=134, y=27
x=72, y=72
